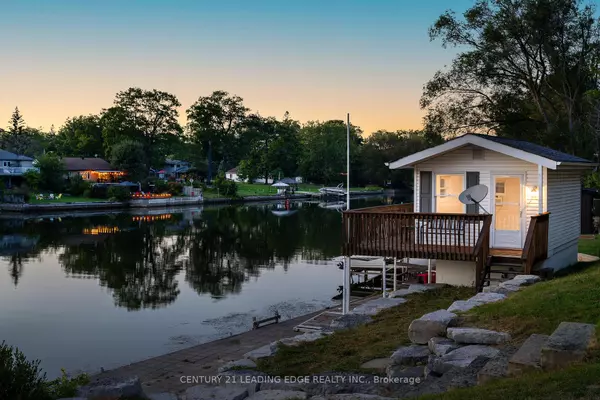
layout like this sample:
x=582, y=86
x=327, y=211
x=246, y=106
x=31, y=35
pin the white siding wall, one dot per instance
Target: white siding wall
x=461, y=160
x=564, y=204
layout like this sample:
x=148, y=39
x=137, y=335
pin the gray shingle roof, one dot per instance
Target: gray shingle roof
x=85, y=164
x=536, y=149
x=7, y=155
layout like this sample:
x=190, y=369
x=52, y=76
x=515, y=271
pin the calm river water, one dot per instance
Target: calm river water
x=82, y=292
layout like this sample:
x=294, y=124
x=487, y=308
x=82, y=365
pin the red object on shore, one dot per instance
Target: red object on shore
x=423, y=277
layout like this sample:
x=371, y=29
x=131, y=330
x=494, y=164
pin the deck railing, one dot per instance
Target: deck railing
x=399, y=232
x=482, y=252
x=536, y=242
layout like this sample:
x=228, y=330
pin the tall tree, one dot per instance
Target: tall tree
x=215, y=122
x=129, y=156
x=323, y=158
x=153, y=115
x=382, y=147
x=16, y=139
x=522, y=71
x=81, y=137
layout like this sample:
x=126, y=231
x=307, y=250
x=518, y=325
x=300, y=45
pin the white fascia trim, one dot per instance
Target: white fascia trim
x=477, y=141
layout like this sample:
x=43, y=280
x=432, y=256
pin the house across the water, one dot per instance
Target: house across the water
x=13, y=166
x=174, y=168
x=529, y=220
x=92, y=169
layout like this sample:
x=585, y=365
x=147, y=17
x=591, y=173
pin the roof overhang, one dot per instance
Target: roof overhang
x=410, y=161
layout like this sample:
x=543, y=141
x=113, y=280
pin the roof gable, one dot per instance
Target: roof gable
x=7, y=155
x=520, y=149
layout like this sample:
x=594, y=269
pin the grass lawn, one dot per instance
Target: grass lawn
x=578, y=382
x=65, y=199
x=574, y=297
x=347, y=350
x=260, y=189
x=590, y=246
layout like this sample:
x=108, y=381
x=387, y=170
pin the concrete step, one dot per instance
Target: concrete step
x=528, y=356
x=567, y=344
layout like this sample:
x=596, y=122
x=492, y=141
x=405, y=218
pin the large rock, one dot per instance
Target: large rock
x=461, y=358
x=413, y=288
x=378, y=364
x=278, y=395
x=238, y=364
x=463, y=305
x=430, y=325
x=162, y=396
x=112, y=387
x=495, y=368
x=339, y=382
x=528, y=356
x=410, y=355
x=350, y=321
x=488, y=297
x=352, y=396
x=526, y=279
x=265, y=351
x=399, y=371
x=372, y=307
x=206, y=392
x=441, y=345
x=505, y=290
x=477, y=336
x=299, y=339
x=567, y=344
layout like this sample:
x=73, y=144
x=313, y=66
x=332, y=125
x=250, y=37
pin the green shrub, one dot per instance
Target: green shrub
x=225, y=186
x=19, y=378
x=66, y=386
x=32, y=179
x=118, y=193
x=77, y=186
x=99, y=192
x=174, y=188
x=87, y=193
x=161, y=186
x=20, y=191
x=24, y=380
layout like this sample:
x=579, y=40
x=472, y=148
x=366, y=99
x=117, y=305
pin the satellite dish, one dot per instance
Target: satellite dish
x=474, y=195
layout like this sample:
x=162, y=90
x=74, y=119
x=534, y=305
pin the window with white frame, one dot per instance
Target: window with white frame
x=447, y=189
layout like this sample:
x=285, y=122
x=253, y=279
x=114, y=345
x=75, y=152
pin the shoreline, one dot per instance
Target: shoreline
x=158, y=203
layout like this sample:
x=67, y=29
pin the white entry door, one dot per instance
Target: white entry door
x=507, y=227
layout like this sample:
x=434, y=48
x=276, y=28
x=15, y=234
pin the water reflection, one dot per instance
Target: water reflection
x=138, y=257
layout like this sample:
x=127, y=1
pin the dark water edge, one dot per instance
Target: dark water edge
x=91, y=290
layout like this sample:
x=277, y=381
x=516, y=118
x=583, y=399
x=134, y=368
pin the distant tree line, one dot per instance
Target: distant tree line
x=141, y=130
x=526, y=69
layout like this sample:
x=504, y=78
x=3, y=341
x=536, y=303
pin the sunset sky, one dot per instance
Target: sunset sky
x=317, y=59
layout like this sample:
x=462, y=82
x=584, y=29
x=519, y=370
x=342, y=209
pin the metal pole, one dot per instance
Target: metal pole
x=395, y=274
x=383, y=276
x=348, y=162
x=346, y=287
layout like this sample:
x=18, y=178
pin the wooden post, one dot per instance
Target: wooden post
x=429, y=271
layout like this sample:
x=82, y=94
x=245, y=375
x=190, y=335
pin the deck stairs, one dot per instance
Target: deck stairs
x=500, y=268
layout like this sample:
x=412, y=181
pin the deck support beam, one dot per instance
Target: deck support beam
x=395, y=274
x=346, y=287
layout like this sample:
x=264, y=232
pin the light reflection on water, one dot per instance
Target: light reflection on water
x=89, y=291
